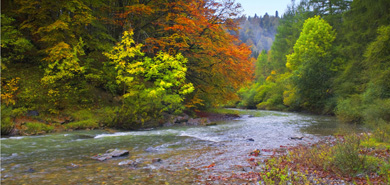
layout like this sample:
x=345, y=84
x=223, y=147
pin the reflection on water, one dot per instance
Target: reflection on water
x=185, y=152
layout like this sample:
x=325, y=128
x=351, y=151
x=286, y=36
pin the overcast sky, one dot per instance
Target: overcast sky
x=260, y=7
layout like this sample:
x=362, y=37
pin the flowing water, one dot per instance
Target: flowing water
x=189, y=155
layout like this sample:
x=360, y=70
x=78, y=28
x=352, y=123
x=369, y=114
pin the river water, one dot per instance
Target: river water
x=189, y=155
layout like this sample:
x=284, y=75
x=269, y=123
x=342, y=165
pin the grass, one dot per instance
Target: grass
x=37, y=128
x=84, y=124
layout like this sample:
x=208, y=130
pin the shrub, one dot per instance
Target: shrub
x=37, y=128
x=84, y=119
x=276, y=171
x=106, y=115
x=377, y=112
x=346, y=156
x=85, y=124
x=350, y=109
x=6, y=122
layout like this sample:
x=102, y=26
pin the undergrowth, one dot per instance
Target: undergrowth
x=358, y=159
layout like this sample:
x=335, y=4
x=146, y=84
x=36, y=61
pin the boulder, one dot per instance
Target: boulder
x=296, y=137
x=127, y=163
x=156, y=160
x=250, y=139
x=32, y=113
x=198, y=121
x=181, y=119
x=110, y=154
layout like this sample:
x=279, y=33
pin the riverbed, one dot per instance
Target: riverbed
x=170, y=155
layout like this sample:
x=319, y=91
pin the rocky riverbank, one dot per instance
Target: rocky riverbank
x=35, y=124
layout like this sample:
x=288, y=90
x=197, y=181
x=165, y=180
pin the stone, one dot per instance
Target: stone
x=73, y=166
x=211, y=124
x=32, y=113
x=30, y=170
x=156, y=160
x=250, y=139
x=126, y=163
x=296, y=137
x=110, y=154
x=198, y=121
x=181, y=119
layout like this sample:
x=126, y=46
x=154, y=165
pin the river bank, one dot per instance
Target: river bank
x=32, y=123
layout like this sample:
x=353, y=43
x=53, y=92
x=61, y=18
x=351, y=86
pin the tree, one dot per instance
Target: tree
x=13, y=45
x=218, y=64
x=312, y=64
x=152, y=85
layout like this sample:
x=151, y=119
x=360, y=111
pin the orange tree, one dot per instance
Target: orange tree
x=218, y=64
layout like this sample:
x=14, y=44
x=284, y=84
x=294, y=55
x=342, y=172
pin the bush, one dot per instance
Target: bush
x=84, y=119
x=346, y=156
x=377, y=112
x=7, y=124
x=37, y=128
x=85, y=124
x=350, y=109
x=276, y=172
x=106, y=115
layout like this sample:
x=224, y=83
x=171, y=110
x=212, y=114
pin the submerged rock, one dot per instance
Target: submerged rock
x=73, y=166
x=30, y=170
x=156, y=160
x=127, y=163
x=110, y=154
x=296, y=137
x=250, y=139
x=84, y=136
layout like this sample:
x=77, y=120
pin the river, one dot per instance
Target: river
x=189, y=155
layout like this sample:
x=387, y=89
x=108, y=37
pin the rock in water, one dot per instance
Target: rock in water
x=250, y=139
x=110, y=154
x=156, y=160
x=296, y=137
x=127, y=162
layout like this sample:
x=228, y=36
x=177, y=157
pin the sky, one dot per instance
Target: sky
x=260, y=7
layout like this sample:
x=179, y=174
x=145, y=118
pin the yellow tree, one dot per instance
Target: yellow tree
x=152, y=85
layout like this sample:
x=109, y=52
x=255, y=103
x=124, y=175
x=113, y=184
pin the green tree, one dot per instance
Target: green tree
x=262, y=67
x=312, y=63
x=13, y=45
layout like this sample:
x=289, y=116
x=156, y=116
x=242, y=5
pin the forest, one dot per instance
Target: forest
x=328, y=57
x=134, y=64
x=134, y=61
x=129, y=62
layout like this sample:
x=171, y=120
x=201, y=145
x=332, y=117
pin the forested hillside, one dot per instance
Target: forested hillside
x=128, y=61
x=258, y=32
x=328, y=57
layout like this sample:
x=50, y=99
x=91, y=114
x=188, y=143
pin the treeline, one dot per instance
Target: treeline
x=258, y=32
x=328, y=57
x=142, y=59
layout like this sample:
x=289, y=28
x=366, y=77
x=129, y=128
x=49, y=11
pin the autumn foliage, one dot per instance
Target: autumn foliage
x=67, y=49
x=218, y=64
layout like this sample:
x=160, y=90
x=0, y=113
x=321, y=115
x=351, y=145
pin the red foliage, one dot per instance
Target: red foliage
x=218, y=64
